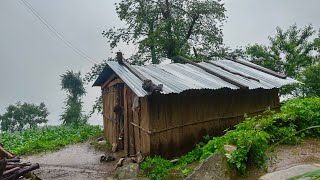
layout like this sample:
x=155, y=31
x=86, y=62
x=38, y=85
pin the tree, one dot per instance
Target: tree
x=290, y=52
x=73, y=84
x=167, y=28
x=20, y=116
x=311, y=81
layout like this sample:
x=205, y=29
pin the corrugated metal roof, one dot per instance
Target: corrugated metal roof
x=177, y=78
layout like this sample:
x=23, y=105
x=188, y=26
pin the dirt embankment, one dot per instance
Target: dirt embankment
x=80, y=161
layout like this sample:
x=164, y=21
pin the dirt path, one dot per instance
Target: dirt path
x=287, y=156
x=76, y=162
x=308, y=152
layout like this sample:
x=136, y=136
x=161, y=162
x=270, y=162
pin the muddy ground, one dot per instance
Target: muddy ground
x=75, y=162
x=82, y=161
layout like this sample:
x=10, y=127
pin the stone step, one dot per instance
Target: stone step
x=290, y=172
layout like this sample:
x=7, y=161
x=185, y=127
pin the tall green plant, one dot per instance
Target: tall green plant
x=311, y=81
x=73, y=84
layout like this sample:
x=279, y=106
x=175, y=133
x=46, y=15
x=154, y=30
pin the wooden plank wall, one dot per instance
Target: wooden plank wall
x=219, y=109
x=145, y=124
x=136, y=137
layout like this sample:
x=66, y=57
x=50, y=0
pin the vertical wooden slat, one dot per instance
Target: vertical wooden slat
x=126, y=121
x=136, y=120
x=104, y=102
x=131, y=136
x=145, y=124
x=155, y=124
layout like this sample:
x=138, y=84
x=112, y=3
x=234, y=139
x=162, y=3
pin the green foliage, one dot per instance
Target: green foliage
x=36, y=140
x=311, y=80
x=301, y=114
x=73, y=112
x=256, y=135
x=95, y=71
x=73, y=84
x=251, y=145
x=169, y=28
x=186, y=172
x=155, y=168
x=290, y=52
x=192, y=156
x=20, y=116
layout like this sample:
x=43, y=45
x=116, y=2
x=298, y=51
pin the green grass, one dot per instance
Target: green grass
x=298, y=119
x=37, y=140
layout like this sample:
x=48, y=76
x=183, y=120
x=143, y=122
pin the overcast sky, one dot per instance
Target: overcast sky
x=32, y=58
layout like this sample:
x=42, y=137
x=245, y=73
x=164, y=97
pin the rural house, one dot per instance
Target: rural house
x=167, y=109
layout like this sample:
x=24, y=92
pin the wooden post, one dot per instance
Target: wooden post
x=5, y=154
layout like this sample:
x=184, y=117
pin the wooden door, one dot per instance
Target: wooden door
x=113, y=114
x=119, y=114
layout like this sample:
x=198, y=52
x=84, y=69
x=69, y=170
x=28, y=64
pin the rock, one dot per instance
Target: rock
x=289, y=173
x=102, y=142
x=99, y=139
x=127, y=161
x=128, y=171
x=107, y=158
x=230, y=148
x=214, y=167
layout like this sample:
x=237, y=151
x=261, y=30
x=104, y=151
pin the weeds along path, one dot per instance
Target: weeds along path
x=79, y=161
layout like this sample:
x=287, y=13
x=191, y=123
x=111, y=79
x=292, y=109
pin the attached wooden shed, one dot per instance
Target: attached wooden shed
x=185, y=102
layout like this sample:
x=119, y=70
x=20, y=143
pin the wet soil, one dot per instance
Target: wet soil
x=80, y=161
x=286, y=156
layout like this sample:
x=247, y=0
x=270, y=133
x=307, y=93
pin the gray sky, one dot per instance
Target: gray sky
x=32, y=58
